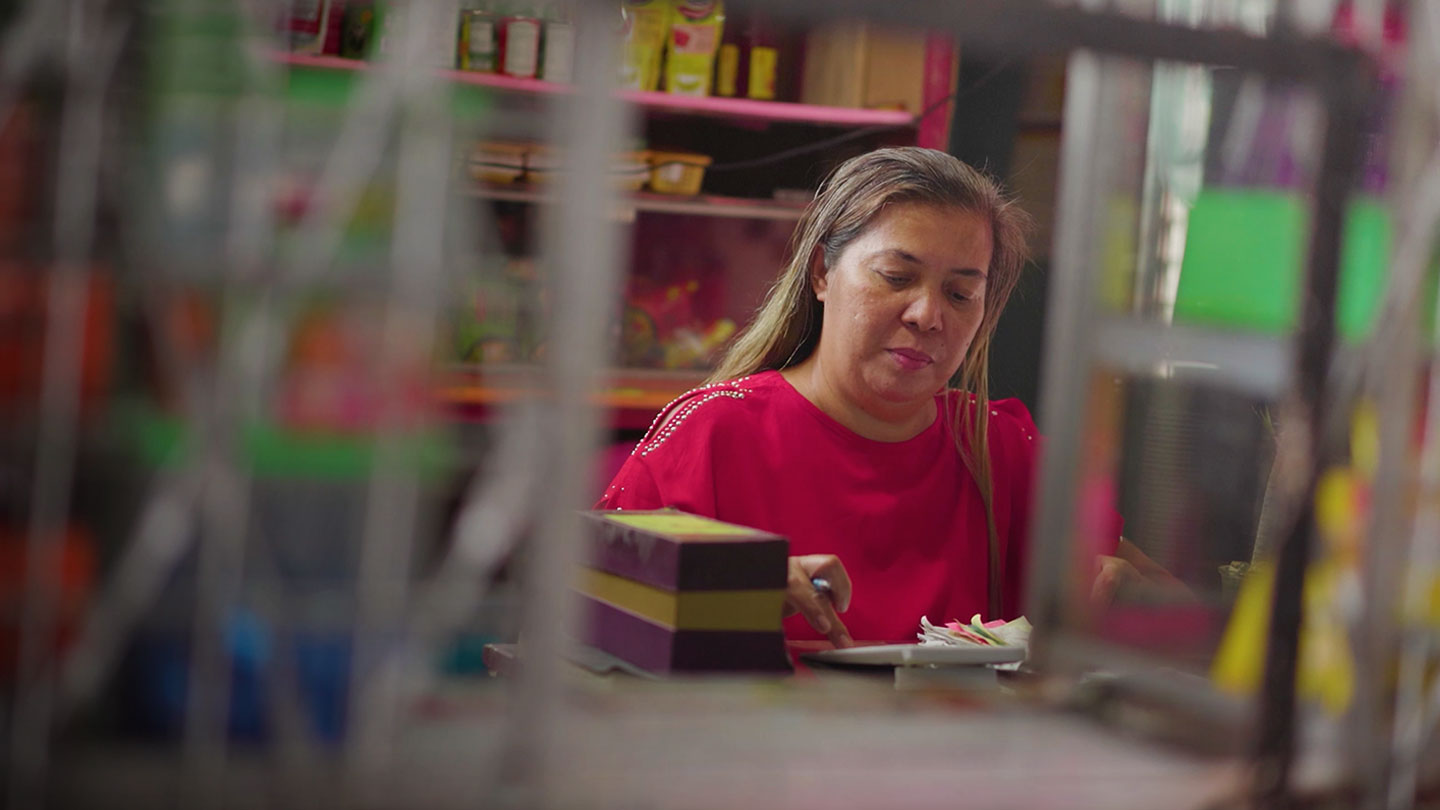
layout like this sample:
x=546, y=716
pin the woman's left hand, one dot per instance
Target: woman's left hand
x=1132, y=568
x=1111, y=573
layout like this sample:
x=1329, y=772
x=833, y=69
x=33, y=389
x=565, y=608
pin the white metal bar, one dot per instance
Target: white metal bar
x=1256, y=364
x=1065, y=373
x=585, y=260
x=408, y=328
x=59, y=405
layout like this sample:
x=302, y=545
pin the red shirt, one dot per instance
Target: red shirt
x=906, y=518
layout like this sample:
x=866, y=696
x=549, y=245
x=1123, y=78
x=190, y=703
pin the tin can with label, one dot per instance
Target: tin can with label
x=519, y=46
x=478, y=47
x=558, y=63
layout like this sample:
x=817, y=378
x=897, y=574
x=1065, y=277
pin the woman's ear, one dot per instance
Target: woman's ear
x=819, y=276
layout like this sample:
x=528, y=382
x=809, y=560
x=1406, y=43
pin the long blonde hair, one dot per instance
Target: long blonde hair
x=786, y=329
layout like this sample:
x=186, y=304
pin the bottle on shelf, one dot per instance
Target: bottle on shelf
x=731, y=65
x=749, y=58
x=696, y=28
x=762, y=44
x=645, y=29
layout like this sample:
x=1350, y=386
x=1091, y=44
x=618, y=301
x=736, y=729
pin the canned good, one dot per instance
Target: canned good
x=558, y=63
x=519, y=46
x=478, y=47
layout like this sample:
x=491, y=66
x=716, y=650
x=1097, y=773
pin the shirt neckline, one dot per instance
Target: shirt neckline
x=834, y=426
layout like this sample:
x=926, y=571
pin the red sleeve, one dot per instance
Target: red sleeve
x=633, y=488
x=674, y=464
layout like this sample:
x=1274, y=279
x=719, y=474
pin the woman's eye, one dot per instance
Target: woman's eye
x=960, y=297
x=894, y=280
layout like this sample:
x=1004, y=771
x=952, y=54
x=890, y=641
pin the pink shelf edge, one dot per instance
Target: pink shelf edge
x=709, y=105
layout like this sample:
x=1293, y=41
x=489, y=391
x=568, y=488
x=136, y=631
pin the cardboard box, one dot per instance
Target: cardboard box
x=859, y=64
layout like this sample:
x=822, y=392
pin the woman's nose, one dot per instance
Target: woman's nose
x=925, y=310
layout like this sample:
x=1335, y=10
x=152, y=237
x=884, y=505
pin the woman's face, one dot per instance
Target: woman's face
x=902, y=303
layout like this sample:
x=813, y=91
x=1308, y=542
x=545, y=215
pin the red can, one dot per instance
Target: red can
x=519, y=46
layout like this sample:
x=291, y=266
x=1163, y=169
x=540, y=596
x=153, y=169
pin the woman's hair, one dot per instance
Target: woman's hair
x=786, y=329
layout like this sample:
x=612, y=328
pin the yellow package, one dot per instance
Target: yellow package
x=695, y=30
x=646, y=26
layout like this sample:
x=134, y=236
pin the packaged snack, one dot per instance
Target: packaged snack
x=646, y=27
x=695, y=30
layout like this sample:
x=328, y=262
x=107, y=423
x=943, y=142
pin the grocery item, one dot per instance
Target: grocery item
x=359, y=32
x=498, y=161
x=695, y=31
x=557, y=58
x=519, y=37
x=864, y=65
x=677, y=172
x=730, y=64
x=688, y=348
x=307, y=25
x=632, y=168
x=334, y=25
x=545, y=164
x=672, y=592
x=646, y=29
x=749, y=58
x=478, y=47
x=763, y=46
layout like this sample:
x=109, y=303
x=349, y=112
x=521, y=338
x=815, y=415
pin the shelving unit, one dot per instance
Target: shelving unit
x=409, y=741
x=632, y=397
x=707, y=106
x=709, y=205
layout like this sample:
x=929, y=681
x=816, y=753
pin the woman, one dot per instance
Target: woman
x=831, y=420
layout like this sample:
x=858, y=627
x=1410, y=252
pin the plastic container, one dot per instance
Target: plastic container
x=498, y=161
x=678, y=173
x=632, y=168
x=545, y=164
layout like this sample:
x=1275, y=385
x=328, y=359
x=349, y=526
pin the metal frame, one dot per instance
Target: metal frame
x=586, y=259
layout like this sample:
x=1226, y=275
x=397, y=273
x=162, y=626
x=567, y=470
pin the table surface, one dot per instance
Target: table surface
x=826, y=741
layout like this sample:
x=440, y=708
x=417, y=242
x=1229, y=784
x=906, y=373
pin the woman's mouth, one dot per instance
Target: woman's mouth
x=911, y=359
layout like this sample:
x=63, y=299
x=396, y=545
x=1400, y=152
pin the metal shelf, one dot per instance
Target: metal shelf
x=1252, y=362
x=632, y=396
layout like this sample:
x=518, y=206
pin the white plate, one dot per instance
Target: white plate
x=915, y=655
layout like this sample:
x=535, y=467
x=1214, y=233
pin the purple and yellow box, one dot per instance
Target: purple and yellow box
x=672, y=592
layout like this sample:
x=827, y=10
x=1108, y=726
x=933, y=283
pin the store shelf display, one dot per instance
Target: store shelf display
x=654, y=101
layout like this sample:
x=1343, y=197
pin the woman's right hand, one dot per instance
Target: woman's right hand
x=820, y=609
